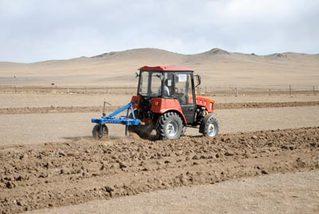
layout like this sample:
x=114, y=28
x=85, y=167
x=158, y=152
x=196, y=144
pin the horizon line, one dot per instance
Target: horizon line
x=213, y=50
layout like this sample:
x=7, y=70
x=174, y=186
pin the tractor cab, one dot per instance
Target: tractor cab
x=169, y=84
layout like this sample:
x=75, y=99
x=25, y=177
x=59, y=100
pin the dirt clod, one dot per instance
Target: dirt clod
x=10, y=185
x=108, y=189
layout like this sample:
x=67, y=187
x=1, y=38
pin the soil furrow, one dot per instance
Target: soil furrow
x=79, y=109
x=58, y=174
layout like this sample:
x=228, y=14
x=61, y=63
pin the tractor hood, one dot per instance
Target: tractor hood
x=206, y=102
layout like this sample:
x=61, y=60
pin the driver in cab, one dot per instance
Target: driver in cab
x=168, y=88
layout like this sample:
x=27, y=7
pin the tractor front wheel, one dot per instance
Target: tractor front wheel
x=100, y=132
x=209, y=126
x=169, y=126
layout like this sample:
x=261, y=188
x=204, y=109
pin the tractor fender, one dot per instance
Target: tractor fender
x=179, y=114
x=163, y=105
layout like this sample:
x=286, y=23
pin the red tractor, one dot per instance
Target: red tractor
x=166, y=103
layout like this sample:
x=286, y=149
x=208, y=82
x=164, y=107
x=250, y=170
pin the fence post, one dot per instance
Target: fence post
x=15, y=83
x=236, y=92
x=290, y=90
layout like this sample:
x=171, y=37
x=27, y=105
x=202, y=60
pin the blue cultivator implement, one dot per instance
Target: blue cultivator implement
x=100, y=130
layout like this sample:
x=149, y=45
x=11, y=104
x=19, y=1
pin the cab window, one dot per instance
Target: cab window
x=150, y=84
x=183, y=88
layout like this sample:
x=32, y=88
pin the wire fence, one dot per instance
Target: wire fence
x=204, y=90
x=68, y=90
x=239, y=91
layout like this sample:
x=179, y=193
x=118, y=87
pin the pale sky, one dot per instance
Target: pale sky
x=35, y=30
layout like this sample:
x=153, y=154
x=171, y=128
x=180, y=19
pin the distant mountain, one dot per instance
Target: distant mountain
x=218, y=68
x=136, y=52
x=216, y=51
x=155, y=52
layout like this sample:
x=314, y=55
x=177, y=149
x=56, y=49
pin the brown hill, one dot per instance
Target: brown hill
x=219, y=68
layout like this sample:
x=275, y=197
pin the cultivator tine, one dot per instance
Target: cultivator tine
x=126, y=126
x=126, y=130
x=103, y=113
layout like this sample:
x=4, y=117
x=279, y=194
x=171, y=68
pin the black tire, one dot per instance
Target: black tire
x=209, y=126
x=143, y=131
x=99, y=134
x=169, y=126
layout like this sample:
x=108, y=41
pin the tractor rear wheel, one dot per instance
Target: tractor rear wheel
x=169, y=126
x=100, y=132
x=209, y=126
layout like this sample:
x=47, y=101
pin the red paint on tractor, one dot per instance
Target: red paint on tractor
x=136, y=100
x=206, y=102
x=162, y=105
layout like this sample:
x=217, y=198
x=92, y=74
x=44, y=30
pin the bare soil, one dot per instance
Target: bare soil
x=276, y=193
x=59, y=127
x=58, y=174
x=22, y=100
x=72, y=109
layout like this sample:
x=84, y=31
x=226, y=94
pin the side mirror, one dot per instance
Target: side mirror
x=198, y=80
x=137, y=75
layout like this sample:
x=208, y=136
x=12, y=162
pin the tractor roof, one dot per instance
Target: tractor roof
x=165, y=68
